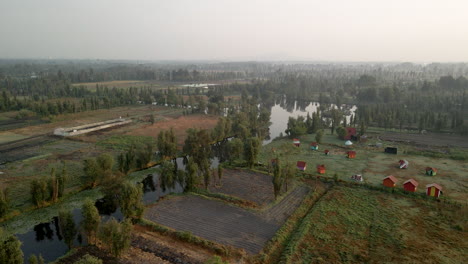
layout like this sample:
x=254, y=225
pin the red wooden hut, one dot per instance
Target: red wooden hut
x=327, y=152
x=390, y=181
x=410, y=185
x=301, y=165
x=434, y=190
x=296, y=142
x=321, y=169
x=351, y=154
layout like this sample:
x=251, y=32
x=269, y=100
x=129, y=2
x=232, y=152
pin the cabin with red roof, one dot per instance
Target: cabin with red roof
x=301, y=165
x=321, y=169
x=433, y=190
x=314, y=146
x=351, y=133
x=410, y=185
x=327, y=152
x=296, y=142
x=390, y=181
x=431, y=171
x=351, y=154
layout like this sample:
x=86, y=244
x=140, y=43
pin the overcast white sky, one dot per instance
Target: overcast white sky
x=330, y=30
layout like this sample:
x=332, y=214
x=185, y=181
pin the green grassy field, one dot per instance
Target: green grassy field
x=356, y=225
x=372, y=163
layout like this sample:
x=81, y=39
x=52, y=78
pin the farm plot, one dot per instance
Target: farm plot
x=179, y=125
x=354, y=225
x=23, y=148
x=438, y=140
x=223, y=223
x=258, y=190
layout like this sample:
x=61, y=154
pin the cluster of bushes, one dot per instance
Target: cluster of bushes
x=48, y=189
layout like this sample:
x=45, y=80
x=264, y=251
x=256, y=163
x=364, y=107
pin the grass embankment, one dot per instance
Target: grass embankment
x=360, y=225
x=273, y=248
x=185, y=236
x=124, y=142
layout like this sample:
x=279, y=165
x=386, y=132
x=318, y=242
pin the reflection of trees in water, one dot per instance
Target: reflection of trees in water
x=43, y=231
x=148, y=184
x=106, y=205
x=57, y=228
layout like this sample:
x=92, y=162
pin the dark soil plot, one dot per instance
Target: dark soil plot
x=222, y=223
x=23, y=149
x=282, y=210
x=438, y=140
x=214, y=220
x=259, y=188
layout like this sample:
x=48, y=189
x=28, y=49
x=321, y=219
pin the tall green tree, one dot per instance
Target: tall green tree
x=116, y=236
x=130, y=200
x=4, y=202
x=91, y=220
x=92, y=172
x=319, y=136
x=251, y=150
x=167, y=144
x=10, y=249
x=235, y=149
x=191, y=175
x=67, y=227
x=198, y=146
x=277, y=178
x=39, y=192
x=167, y=177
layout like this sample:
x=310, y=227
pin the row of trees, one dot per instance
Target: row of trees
x=48, y=189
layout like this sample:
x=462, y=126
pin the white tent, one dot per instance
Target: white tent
x=348, y=143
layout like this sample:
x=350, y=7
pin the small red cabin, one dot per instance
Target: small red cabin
x=390, y=181
x=410, y=185
x=296, y=142
x=327, y=152
x=433, y=190
x=351, y=154
x=321, y=169
x=301, y=165
x=350, y=133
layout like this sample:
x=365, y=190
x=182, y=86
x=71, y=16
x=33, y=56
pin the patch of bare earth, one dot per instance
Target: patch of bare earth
x=224, y=223
x=179, y=125
x=233, y=183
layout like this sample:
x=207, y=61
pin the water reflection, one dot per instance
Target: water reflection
x=284, y=109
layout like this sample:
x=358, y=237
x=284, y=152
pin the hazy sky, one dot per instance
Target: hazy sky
x=331, y=30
